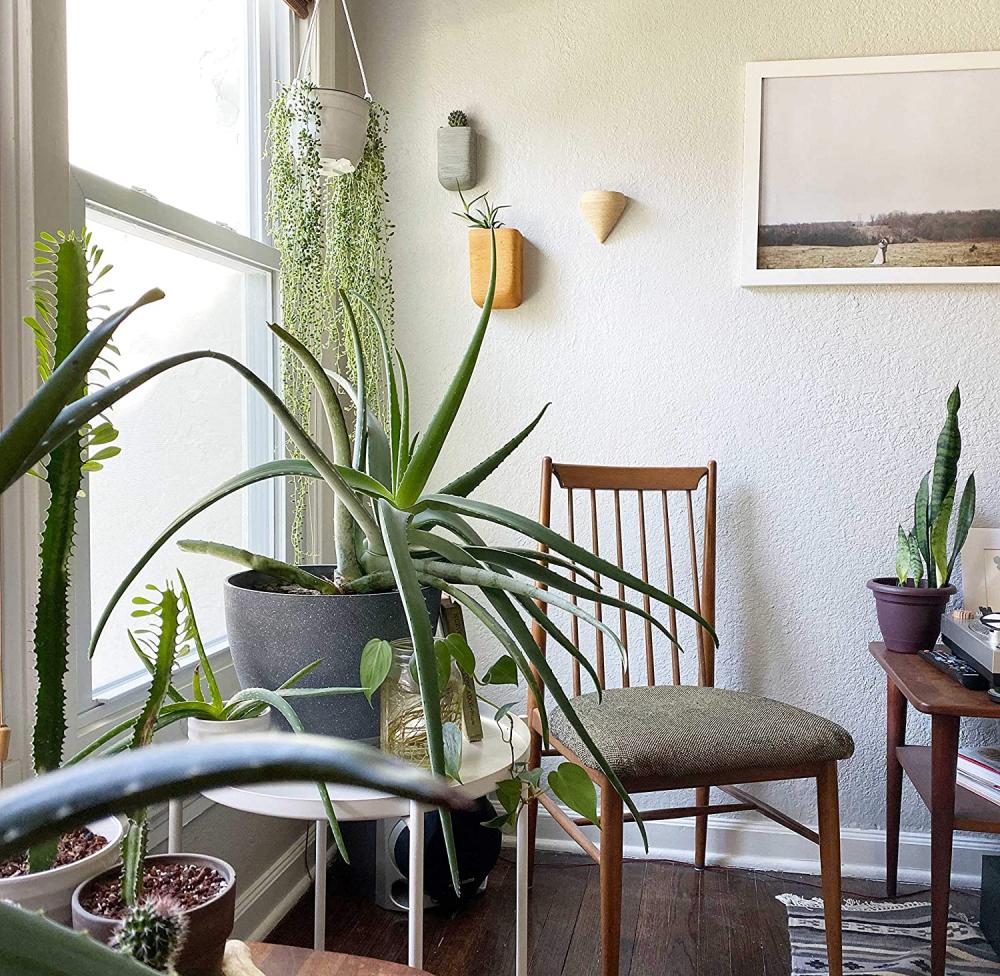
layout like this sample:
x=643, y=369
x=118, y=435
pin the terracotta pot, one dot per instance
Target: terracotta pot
x=510, y=266
x=51, y=891
x=209, y=924
x=909, y=616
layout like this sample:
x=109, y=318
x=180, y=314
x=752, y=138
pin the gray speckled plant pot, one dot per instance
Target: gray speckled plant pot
x=457, y=157
x=273, y=635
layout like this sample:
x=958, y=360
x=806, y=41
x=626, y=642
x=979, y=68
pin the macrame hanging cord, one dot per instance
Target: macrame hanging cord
x=310, y=40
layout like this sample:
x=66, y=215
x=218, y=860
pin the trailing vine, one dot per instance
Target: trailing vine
x=358, y=248
x=330, y=232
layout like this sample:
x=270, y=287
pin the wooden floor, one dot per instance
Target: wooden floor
x=675, y=922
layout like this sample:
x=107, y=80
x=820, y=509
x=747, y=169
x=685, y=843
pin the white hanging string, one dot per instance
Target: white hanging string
x=310, y=40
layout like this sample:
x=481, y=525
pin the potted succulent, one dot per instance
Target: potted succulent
x=910, y=604
x=456, y=150
x=486, y=234
x=386, y=543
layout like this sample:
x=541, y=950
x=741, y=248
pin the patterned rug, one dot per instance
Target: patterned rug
x=884, y=939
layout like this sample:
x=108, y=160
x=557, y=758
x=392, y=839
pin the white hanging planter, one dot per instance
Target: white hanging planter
x=343, y=130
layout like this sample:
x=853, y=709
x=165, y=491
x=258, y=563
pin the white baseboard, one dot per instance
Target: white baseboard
x=265, y=901
x=763, y=845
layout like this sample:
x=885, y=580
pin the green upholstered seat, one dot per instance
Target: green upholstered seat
x=678, y=731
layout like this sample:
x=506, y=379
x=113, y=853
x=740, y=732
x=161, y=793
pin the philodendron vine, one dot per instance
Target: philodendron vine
x=399, y=533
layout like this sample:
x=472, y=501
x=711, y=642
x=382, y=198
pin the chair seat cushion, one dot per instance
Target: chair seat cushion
x=681, y=731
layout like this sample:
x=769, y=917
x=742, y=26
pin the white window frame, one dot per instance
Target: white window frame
x=269, y=58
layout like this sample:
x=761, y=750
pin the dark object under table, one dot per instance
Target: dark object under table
x=932, y=771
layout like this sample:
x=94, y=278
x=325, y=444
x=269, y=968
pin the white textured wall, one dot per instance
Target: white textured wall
x=820, y=404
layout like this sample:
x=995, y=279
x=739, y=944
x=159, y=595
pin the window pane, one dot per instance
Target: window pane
x=158, y=100
x=181, y=434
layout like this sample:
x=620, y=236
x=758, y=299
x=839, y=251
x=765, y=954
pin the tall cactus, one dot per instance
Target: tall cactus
x=66, y=268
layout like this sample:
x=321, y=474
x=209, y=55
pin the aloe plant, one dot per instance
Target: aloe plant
x=41, y=809
x=380, y=477
x=171, y=635
x=924, y=550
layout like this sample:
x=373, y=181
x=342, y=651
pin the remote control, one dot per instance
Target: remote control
x=957, y=669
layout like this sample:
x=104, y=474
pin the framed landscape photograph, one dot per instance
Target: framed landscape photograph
x=870, y=170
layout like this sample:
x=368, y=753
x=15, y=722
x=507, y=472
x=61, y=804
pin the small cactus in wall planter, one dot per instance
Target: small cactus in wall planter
x=153, y=933
x=456, y=142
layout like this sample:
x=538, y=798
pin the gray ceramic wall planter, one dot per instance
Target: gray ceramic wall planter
x=273, y=635
x=457, y=157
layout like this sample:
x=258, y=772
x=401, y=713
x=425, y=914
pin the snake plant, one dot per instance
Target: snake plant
x=926, y=545
x=396, y=532
x=41, y=809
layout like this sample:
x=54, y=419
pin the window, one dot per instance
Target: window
x=165, y=135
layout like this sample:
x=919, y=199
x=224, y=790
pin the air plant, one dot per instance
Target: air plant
x=485, y=216
x=926, y=546
x=457, y=119
x=406, y=536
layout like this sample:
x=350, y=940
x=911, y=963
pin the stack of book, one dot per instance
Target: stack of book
x=979, y=771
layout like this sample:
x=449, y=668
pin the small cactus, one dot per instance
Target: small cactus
x=457, y=118
x=152, y=933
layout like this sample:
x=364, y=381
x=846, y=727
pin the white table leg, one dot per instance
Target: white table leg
x=319, y=908
x=175, y=826
x=415, y=916
x=521, y=963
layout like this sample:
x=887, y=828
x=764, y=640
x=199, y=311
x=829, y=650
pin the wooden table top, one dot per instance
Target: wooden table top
x=929, y=690
x=277, y=960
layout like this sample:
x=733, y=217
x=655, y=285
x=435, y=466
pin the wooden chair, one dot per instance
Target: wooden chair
x=660, y=737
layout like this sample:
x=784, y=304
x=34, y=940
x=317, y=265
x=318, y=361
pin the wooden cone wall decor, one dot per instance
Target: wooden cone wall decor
x=602, y=209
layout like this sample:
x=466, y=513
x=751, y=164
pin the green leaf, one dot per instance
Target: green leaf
x=467, y=483
x=916, y=559
x=428, y=450
x=275, y=568
x=503, y=711
x=902, y=556
x=376, y=662
x=966, y=513
x=921, y=525
x=459, y=649
x=261, y=472
x=452, y=750
x=363, y=482
x=503, y=672
x=574, y=788
x=509, y=794
x=946, y=456
x=405, y=573
x=939, y=534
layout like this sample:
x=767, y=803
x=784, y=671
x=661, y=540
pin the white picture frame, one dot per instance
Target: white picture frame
x=980, y=574
x=760, y=73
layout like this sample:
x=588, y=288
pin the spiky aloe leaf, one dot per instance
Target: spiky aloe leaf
x=966, y=513
x=46, y=806
x=262, y=564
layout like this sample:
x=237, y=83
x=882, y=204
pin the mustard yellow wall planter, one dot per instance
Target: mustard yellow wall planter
x=510, y=266
x=601, y=210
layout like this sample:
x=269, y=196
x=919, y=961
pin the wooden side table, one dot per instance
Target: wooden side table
x=277, y=960
x=932, y=772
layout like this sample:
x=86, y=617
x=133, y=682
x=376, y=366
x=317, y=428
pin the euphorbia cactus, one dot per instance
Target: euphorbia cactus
x=153, y=933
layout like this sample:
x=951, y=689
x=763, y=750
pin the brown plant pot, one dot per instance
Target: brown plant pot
x=209, y=924
x=510, y=266
x=909, y=616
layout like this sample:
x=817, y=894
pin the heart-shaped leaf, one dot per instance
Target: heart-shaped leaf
x=504, y=672
x=573, y=786
x=376, y=660
x=452, y=750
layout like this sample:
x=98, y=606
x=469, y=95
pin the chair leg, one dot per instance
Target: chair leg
x=534, y=761
x=701, y=798
x=611, y=880
x=828, y=802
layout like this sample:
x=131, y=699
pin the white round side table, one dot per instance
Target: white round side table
x=484, y=764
